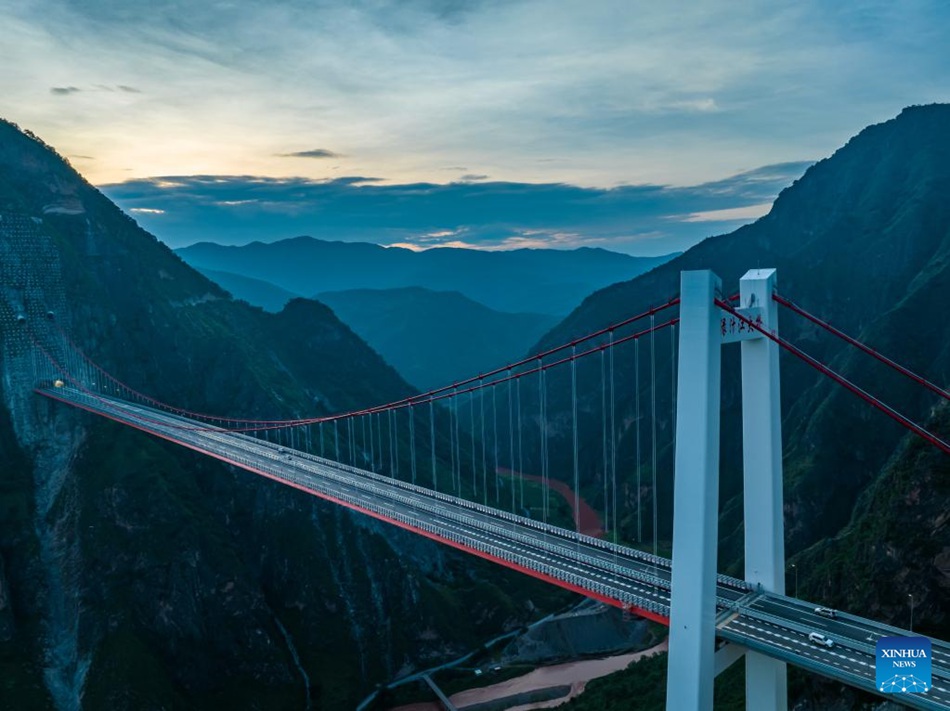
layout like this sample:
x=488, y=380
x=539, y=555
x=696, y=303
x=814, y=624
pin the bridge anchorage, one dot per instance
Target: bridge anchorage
x=438, y=438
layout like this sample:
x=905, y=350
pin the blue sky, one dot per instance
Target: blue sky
x=294, y=97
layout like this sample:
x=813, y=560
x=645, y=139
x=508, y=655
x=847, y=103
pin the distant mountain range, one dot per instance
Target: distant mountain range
x=544, y=281
x=435, y=337
x=430, y=337
x=254, y=291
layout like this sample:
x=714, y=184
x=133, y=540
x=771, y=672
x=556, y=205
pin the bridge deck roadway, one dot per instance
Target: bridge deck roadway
x=775, y=625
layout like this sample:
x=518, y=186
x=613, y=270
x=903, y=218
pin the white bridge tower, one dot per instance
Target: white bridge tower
x=704, y=329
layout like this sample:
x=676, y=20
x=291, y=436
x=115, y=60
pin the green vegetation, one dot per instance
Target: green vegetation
x=21, y=674
x=434, y=338
x=904, y=508
x=861, y=239
x=179, y=567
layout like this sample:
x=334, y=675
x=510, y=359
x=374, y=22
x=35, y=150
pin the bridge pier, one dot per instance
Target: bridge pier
x=766, y=683
x=689, y=683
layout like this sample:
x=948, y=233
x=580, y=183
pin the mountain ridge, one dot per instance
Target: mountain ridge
x=138, y=574
x=533, y=280
x=433, y=338
x=863, y=239
x=254, y=291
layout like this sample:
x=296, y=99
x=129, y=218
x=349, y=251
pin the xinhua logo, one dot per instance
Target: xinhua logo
x=903, y=665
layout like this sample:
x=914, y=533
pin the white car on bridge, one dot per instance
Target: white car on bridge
x=820, y=639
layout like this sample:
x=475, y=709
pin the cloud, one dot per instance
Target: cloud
x=618, y=91
x=412, y=246
x=146, y=211
x=471, y=177
x=730, y=214
x=66, y=90
x=312, y=153
x=642, y=219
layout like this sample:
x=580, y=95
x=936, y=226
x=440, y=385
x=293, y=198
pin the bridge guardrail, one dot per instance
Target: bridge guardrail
x=278, y=470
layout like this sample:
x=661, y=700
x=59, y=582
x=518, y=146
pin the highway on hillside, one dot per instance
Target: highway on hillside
x=774, y=625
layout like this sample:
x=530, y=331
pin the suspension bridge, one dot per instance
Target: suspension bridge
x=450, y=464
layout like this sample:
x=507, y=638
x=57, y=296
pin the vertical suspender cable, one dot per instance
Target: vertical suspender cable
x=511, y=440
x=481, y=407
x=372, y=444
x=577, y=477
x=435, y=476
x=613, y=439
x=541, y=442
x=392, y=457
x=603, y=429
x=520, y=443
x=494, y=418
x=346, y=444
x=320, y=430
x=412, y=440
x=380, y=453
x=336, y=439
x=458, y=440
x=452, y=415
x=396, y=440
x=636, y=378
x=379, y=437
x=547, y=452
x=379, y=440
x=471, y=429
x=673, y=381
x=362, y=452
x=653, y=418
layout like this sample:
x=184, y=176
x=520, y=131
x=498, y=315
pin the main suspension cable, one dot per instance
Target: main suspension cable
x=841, y=380
x=788, y=303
